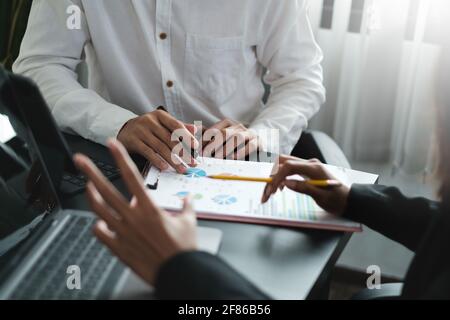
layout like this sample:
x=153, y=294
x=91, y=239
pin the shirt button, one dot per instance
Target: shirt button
x=169, y=84
x=163, y=36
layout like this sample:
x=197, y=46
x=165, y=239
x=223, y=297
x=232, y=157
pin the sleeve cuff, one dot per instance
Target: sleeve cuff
x=359, y=197
x=110, y=128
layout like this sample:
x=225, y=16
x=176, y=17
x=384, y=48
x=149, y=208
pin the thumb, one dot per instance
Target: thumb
x=191, y=128
x=188, y=208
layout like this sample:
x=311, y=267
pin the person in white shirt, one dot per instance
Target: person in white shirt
x=200, y=60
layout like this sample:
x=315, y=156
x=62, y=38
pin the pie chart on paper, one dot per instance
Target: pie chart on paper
x=224, y=199
x=195, y=173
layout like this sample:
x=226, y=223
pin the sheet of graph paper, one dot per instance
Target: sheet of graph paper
x=239, y=198
x=209, y=195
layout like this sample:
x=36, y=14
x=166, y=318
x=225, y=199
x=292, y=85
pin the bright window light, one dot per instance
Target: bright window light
x=6, y=130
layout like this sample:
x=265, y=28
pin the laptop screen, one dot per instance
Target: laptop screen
x=46, y=135
x=27, y=199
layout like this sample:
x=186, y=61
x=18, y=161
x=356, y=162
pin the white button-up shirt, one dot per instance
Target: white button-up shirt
x=201, y=59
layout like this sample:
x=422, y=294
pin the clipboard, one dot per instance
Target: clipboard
x=306, y=214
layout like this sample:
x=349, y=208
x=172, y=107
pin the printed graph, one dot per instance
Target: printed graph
x=224, y=199
x=184, y=194
x=287, y=205
x=195, y=173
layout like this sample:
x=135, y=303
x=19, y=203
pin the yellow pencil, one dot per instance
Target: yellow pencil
x=316, y=183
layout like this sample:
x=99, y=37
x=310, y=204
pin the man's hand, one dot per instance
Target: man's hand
x=228, y=139
x=142, y=235
x=333, y=199
x=151, y=135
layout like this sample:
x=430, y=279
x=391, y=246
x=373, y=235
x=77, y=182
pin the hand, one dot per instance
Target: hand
x=228, y=139
x=142, y=235
x=151, y=135
x=332, y=200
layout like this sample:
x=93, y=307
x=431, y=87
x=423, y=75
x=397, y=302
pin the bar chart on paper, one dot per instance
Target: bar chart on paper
x=240, y=200
x=287, y=205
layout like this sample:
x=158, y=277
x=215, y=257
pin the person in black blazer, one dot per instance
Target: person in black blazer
x=161, y=248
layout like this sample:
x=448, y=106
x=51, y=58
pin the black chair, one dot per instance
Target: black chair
x=316, y=144
x=10, y=163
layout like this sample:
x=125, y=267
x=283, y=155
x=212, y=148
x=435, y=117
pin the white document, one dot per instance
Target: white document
x=241, y=200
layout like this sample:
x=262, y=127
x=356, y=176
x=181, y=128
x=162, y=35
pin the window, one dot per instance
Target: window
x=356, y=16
x=411, y=24
x=437, y=25
x=327, y=14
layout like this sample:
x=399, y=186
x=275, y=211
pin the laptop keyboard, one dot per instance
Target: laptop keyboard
x=75, y=245
x=77, y=183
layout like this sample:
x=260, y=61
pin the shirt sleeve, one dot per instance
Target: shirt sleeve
x=288, y=50
x=49, y=55
x=388, y=211
x=200, y=275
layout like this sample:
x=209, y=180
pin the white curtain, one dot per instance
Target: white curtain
x=381, y=58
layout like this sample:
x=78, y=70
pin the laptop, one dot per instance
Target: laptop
x=48, y=252
x=19, y=91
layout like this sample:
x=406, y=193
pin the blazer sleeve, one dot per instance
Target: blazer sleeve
x=200, y=275
x=388, y=211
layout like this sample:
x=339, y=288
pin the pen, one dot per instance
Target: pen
x=316, y=183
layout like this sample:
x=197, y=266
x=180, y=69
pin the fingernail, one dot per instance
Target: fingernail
x=194, y=163
x=78, y=159
x=268, y=191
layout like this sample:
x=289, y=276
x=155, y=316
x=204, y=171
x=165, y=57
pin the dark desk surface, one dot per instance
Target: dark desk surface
x=285, y=263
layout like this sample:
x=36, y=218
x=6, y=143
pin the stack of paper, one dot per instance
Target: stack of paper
x=241, y=201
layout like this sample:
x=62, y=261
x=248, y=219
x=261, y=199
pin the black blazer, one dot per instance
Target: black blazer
x=419, y=224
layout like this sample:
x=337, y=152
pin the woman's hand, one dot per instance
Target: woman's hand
x=142, y=235
x=332, y=199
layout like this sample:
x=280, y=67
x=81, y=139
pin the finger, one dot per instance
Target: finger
x=191, y=128
x=151, y=156
x=101, y=208
x=236, y=140
x=188, y=208
x=178, y=127
x=166, y=143
x=163, y=151
x=302, y=187
x=226, y=123
x=215, y=138
x=211, y=132
x=306, y=169
x=246, y=150
x=130, y=174
x=284, y=158
x=108, y=192
x=128, y=254
x=106, y=236
x=266, y=193
x=158, y=131
x=227, y=141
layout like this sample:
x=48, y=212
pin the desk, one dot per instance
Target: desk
x=284, y=263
